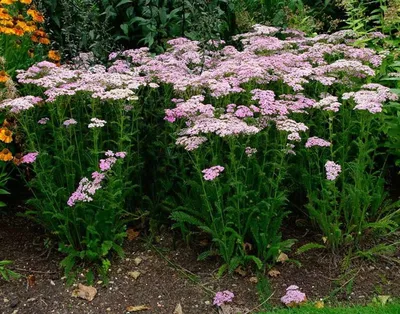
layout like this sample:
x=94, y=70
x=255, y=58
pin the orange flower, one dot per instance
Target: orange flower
x=5, y=155
x=5, y=135
x=6, y=23
x=44, y=41
x=4, y=77
x=7, y=31
x=34, y=39
x=40, y=33
x=26, y=1
x=17, y=159
x=54, y=55
x=7, y=1
x=26, y=27
x=36, y=16
x=19, y=32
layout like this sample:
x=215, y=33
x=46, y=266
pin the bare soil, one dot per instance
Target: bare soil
x=170, y=276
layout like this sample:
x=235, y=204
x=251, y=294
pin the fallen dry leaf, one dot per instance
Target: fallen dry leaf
x=231, y=309
x=282, y=258
x=240, y=271
x=137, y=308
x=85, y=292
x=274, y=273
x=253, y=280
x=247, y=247
x=132, y=234
x=31, y=280
x=134, y=274
x=178, y=309
x=137, y=261
x=204, y=243
x=324, y=239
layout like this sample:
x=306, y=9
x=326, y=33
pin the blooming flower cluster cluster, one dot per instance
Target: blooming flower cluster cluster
x=250, y=151
x=87, y=188
x=69, y=122
x=211, y=173
x=96, y=80
x=13, y=22
x=20, y=104
x=95, y=123
x=268, y=56
x=293, y=296
x=332, y=170
x=316, y=141
x=29, y=158
x=371, y=97
x=223, y=297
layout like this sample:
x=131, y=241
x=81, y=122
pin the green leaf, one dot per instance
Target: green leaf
x=105, y=247
x=309, y=246
x=125, y=29
x=122, y=2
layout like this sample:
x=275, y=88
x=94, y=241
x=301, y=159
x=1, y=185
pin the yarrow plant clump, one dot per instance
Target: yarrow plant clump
x=223, y=297
x=264, y=95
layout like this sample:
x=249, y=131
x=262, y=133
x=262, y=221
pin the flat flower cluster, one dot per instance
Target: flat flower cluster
x=211, y=173
x=293, y=296
x=223, y=297
x=332, y=170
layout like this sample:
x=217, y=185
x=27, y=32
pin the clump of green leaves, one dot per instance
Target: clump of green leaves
x=5, y=272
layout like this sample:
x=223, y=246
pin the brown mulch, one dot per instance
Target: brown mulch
x=171, y=276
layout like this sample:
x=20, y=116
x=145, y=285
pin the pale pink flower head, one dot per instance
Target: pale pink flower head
x=293, y=296
x=223, y=297
x=332, y=170
x=121, y=155
x=213, y=172
x=69, y=122
x=250, y=151
x=29, y=158
x=43, y=120
x=316, y=141
x=106, y=164
x=109, y=153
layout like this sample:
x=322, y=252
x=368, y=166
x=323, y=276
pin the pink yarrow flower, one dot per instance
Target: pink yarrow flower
x=293, y=296
x=250, y=151
x=222, y=297
x=213, y=172
x=316, y=141
x=69, y=122
x=87, y=188
x=332, y=170
x=43, y=120
x=29, y=158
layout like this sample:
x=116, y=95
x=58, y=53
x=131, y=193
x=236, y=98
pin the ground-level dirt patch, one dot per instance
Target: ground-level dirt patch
x=169, y=276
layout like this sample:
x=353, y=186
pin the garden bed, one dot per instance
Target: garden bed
x=171, y=276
